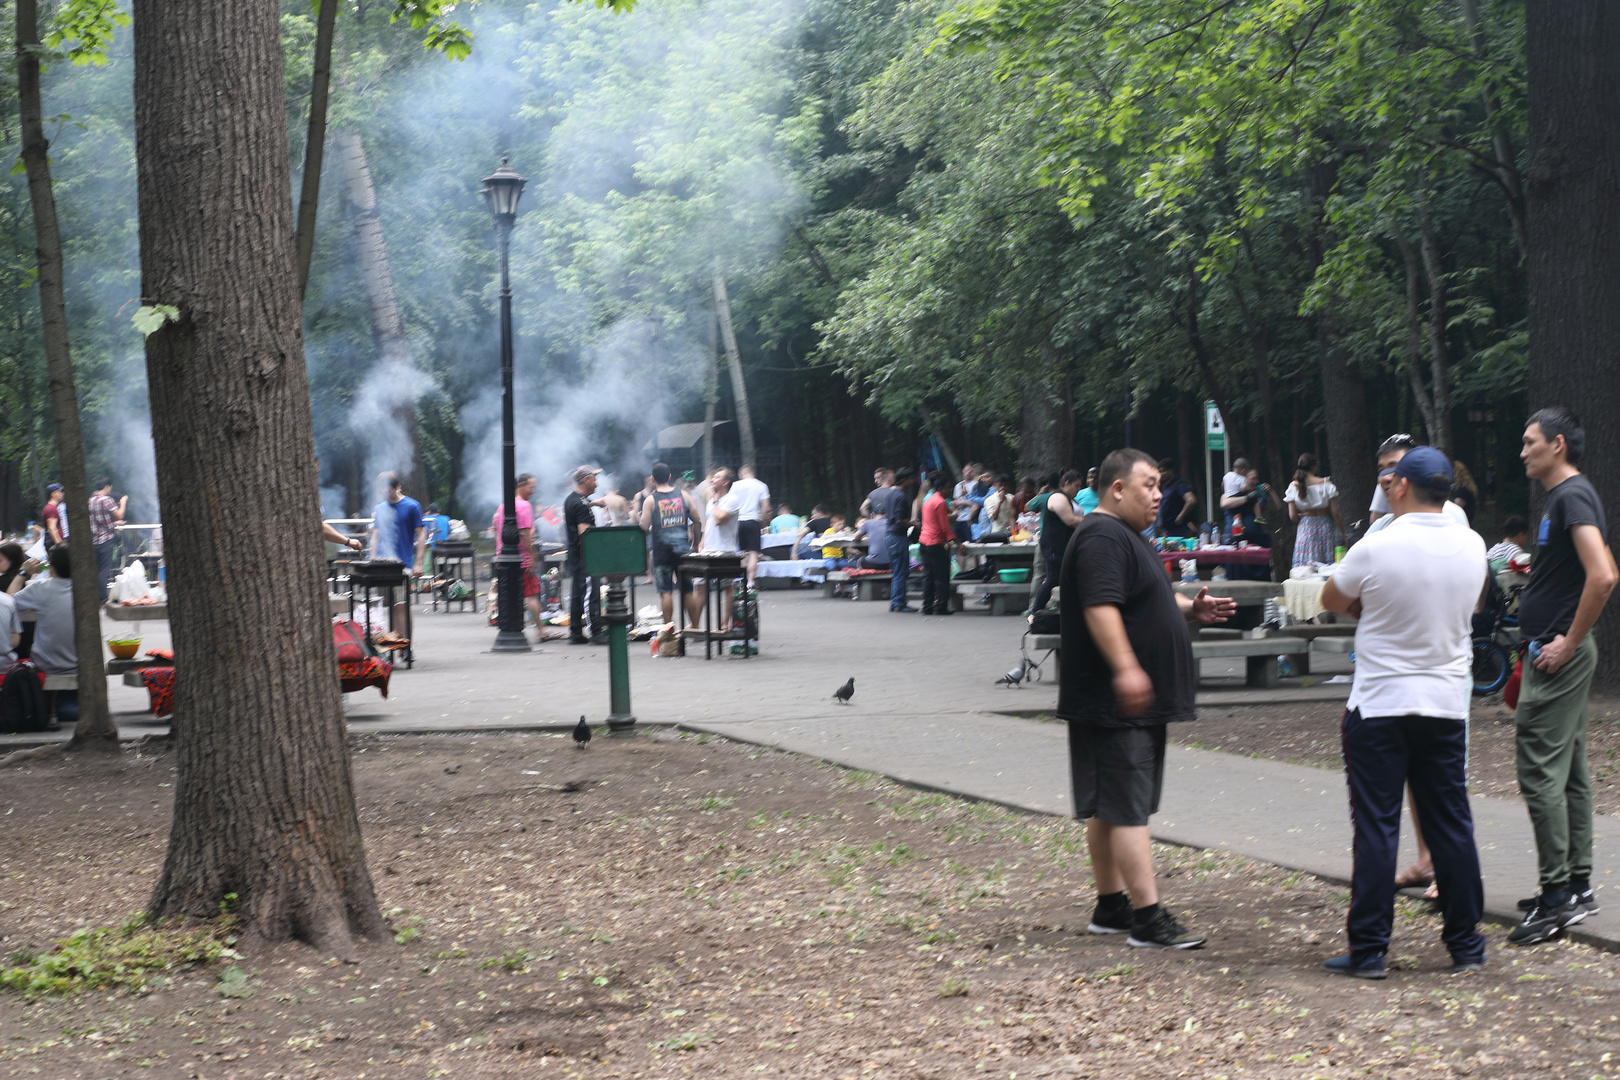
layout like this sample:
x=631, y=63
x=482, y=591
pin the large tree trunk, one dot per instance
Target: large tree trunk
x=1046, y=428
x=1573, y=215
x=315, y=145
x=264, y=799
x=95, y=727
x=739, y=389
x=389, y=391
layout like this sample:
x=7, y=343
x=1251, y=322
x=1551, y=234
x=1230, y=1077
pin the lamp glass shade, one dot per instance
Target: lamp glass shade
x=502, y=190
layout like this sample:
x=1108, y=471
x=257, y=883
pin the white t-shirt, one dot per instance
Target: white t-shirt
x=721, y=537
x=9, y=624
x=1232, y=483
x=961, y=491
x=750, y=495
x=1418, y=582
x=1313, y=496
x=1380, y=505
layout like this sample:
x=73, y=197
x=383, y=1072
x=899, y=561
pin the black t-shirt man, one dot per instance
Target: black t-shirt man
x=1556, y=574
x=1108, y=563
x=1175, y=501
x=576, y=512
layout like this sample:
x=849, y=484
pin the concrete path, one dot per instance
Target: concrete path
x=926, y=712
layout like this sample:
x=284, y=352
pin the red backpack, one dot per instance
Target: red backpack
x=350, y=639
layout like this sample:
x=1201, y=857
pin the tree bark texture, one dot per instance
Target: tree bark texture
x=392, y=386
x=320, y=84
x=739, y=389
x=95, y=728
x=1046, y=428
x=264, y=800
x=1572, y=202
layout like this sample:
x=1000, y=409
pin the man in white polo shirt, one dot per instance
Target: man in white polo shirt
x=1413, y=585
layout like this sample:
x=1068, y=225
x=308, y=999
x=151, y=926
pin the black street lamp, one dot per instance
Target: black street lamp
x=502, y=191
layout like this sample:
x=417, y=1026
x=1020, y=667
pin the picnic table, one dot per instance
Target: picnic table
x=1249, y=556
x=1023, y=552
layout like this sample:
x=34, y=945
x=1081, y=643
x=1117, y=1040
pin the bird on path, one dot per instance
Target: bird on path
x=582, y=734
x=845, y=692
x=1016, y=676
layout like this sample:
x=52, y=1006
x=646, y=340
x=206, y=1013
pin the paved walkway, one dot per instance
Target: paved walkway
x=927, y=712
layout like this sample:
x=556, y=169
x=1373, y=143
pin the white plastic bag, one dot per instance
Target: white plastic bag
x=130, y=584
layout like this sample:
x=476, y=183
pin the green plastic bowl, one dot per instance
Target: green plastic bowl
x=1014, y=577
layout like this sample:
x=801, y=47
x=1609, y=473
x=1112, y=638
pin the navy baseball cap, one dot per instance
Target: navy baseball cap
x=1427, y=466
x=52, y=487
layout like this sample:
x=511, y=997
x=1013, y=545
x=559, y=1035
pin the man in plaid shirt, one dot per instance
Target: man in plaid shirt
x=103, y=514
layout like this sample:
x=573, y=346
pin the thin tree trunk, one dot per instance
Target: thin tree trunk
x=739, y=389
x=264, y=798
x=1413, y=355
x=1506, y=170
x=95, y=727
x=711, y=392
x=1439, y=359
x=394, y=383
x=1573, y=214
x=315, y=145
x=1344, y=398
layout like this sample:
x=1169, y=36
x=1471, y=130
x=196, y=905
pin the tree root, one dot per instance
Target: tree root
x=36, y=753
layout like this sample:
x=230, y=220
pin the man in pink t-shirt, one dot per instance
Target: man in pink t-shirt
x=525, y=522
x=935, y=540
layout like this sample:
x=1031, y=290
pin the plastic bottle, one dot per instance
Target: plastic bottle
x=1189, y=570
x=1203, y=536
x=1285, y=667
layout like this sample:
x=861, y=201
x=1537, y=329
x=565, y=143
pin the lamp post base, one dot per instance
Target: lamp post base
x=511, y=641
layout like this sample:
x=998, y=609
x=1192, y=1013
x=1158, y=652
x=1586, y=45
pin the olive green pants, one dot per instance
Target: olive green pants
x=1553, y=775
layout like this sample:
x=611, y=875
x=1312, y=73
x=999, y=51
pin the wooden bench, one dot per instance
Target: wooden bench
x=1006, y=598
x=867, y=586
x=1260, y=655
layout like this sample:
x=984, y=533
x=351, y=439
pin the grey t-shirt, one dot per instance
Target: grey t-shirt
x=51, y=598
x=9, y=624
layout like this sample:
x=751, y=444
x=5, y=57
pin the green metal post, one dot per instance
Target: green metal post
x=618, y=615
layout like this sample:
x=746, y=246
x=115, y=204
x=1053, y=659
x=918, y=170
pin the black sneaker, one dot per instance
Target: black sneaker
x=1111, y=919
x=1460, y=967
x=1163, y=932
x=1587, y=898
x=1369, y=967
x=1542, y=923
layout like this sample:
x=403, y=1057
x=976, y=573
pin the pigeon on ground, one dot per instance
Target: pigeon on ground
x=845, y=692
x=1016, y=676
x=582, y=734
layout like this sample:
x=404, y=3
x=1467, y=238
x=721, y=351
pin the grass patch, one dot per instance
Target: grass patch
x=130, y=955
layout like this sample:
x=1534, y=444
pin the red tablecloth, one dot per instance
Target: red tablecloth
x=354, y=674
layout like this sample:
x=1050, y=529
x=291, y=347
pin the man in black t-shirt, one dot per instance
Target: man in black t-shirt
x=1175, y=516
x=1127, y=671
x=1571, y=577
x=577, y=517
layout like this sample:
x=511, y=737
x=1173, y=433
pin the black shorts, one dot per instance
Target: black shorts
x=1118, y=773
x=748, y=535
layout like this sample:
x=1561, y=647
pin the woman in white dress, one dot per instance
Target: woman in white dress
x=1313, y=502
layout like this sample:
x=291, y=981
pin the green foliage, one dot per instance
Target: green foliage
x=128, y=956
x=88, y=27
x=149, y=318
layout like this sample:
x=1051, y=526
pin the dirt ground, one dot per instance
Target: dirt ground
x=667, y=906
x=1308, y=734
